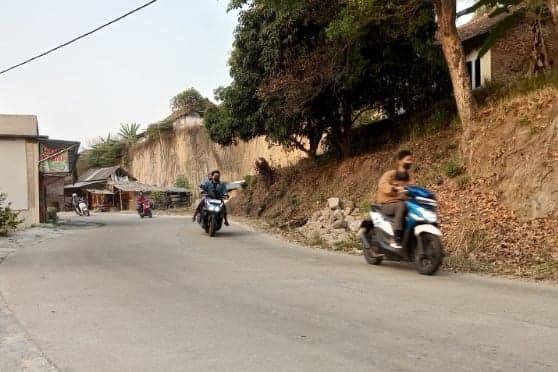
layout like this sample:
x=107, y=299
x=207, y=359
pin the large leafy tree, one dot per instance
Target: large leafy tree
x=299, y=76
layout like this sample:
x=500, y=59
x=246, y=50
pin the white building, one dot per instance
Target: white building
x=19, y=164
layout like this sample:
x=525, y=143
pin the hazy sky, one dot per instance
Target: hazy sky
x=125, y=73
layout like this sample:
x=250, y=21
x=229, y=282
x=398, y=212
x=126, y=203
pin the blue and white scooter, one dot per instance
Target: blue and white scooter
x=421, y=242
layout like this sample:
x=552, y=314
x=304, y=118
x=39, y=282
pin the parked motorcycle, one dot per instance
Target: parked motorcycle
x=421, y=240
x=144, y=209
x=212, y=215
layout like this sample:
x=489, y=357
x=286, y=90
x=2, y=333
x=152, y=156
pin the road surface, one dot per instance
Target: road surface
x=159, y=295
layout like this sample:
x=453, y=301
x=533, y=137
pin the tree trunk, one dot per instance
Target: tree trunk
x=455, y=58
x=539, y=59
x=553, y=6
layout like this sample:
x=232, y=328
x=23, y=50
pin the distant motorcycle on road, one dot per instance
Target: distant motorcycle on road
x=83, y=209
x=144, y=209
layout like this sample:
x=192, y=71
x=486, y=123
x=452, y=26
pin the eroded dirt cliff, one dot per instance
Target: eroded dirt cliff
x=188, y=151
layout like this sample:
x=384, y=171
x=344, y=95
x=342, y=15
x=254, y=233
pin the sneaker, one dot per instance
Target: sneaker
x=226, y=223
x=395, y=245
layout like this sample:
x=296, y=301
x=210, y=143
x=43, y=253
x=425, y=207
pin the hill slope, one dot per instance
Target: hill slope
x=497, y=216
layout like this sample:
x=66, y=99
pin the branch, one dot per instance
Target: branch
x=362, y=112
x=297, y=144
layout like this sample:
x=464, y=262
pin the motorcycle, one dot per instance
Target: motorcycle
x=421, y=241
x=212, y=215
x=83, y=209
x=144, y=209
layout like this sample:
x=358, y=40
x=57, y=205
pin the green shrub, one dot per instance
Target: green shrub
x=250, y=180
x=524, y=120
x=452, y=169
x=160, y=129
x=9, y=220
x=51, y=215
x=182, y=181
x=159, y=198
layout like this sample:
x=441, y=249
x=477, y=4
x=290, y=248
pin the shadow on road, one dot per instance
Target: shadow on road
x=232, y=233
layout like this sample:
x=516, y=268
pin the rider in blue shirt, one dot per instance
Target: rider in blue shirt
x=216, y=189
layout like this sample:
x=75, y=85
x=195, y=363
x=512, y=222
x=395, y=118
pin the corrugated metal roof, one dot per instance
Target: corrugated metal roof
x=99, y=192
x=100, y=174
x=177, y=190
x=79, y=185
x=134, y=186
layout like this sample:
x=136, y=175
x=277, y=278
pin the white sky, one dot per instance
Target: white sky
x=122, y=74
x=125, y=73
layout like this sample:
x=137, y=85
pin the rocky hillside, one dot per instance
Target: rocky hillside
x=498, y=216
x=188, y=151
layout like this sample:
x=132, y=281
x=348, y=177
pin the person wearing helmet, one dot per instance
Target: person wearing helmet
x=75, y=203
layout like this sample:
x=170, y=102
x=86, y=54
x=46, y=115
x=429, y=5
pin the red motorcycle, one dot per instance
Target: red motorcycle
x=144, y=208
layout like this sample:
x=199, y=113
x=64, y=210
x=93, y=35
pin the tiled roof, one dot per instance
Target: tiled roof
x=482, y=25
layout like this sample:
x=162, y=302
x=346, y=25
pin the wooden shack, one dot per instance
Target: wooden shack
x=114, y=188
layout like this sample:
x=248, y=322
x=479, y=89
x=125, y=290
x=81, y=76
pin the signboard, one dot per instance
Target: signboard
x=54, y=160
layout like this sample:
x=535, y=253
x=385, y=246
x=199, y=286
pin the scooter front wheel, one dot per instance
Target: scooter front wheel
x=211, y=224
x=429, y=260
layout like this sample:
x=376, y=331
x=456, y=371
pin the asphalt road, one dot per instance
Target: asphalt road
x=159, y=295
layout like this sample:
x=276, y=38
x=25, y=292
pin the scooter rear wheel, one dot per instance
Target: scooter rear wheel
x=368, y=251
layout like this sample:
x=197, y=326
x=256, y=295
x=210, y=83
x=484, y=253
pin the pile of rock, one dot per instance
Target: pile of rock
x=338, y=222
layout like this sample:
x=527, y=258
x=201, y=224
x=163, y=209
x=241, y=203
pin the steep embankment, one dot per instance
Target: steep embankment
x=188, y=151
x=516, y=149
x=499, y=216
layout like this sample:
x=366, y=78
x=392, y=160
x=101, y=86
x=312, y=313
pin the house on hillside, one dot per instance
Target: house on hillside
x=19, y=164
x=114, y=187
x=508, y=59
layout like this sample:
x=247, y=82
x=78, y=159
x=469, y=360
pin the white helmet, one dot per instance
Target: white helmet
x=74, y=194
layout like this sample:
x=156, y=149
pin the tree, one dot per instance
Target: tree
x=553, y=7
x=106, y=152
x=298, y=79
x=190, y=101
x=129, y=133
x=455, y=58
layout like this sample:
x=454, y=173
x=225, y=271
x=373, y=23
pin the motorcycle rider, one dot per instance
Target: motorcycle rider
x=391, y=194
x=141, y=200
x=203, y=185
x=75, y=202
x=215, y=189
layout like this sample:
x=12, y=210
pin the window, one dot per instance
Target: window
x=474, y=70
x=478, y=82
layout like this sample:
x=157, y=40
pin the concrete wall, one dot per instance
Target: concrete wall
x=19, y=166
x=19, y=125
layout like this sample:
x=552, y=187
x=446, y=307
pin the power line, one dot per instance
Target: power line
x=78, y=38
